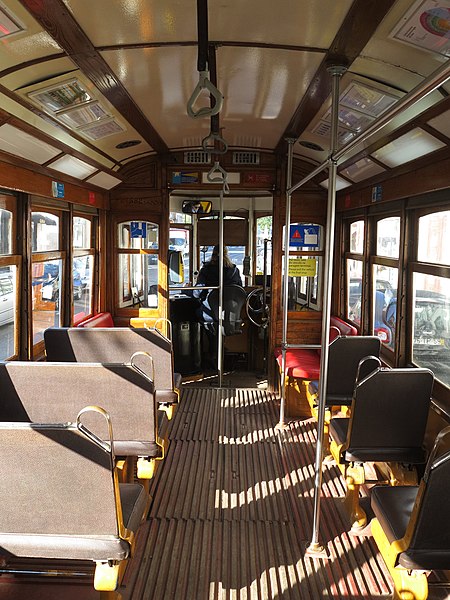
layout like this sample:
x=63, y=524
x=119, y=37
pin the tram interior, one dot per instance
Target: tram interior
x=149, y=452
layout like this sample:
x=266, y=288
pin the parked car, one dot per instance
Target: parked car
x=50, y=286
x=431, y=322
x=6, y=300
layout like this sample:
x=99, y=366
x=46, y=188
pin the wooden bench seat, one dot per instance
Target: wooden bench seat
x=47, y=392
x=79, y=511
x=117, y=345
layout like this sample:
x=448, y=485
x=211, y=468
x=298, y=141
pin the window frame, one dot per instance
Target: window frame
x=82, y=252
x=136, y=310
x=441, y=391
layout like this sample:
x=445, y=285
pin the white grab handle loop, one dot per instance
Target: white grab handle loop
x=205, y=111
x=208, y=144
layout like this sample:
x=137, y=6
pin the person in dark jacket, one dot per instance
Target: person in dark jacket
x=209, y=276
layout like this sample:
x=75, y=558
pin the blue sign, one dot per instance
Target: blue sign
x=138, y=229
x=304, y=235
x=184, y=177
x=377, y=193
x=57, y=189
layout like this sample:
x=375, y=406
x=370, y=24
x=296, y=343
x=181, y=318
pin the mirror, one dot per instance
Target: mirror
x=196, y=207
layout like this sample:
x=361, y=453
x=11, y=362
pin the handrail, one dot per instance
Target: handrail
x=428, y=85
x=108, y=446
x=205, y=111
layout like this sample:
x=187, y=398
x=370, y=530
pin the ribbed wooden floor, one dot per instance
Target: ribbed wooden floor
x=232, y=511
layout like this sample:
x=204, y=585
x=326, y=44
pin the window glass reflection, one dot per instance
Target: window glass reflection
x=431, y=324
x=138, y=235
x=44, y=232
x=388, y=237
x=82, y=275
x=357, y=237
x=385, y=283
x=434, y=238
x=138, y=280
x=8, y=295
x=81, y=232
x=5, y=231
x=46, y=296
x=354, y=290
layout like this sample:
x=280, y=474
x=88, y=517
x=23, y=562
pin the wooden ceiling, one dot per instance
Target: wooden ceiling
x=138, y=61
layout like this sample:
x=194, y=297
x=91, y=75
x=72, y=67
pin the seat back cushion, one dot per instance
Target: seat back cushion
x=56, y=392
x=112, y=345
x=390, y=409
x=103, y=319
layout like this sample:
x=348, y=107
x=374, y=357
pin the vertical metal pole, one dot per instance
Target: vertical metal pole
x=290, y=142
x=264, y=311
x=219, y=333
x=336, y=72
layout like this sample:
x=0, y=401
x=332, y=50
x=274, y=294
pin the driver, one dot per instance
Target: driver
x=209, y=276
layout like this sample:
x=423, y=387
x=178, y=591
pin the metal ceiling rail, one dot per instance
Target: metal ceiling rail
x=428, y=85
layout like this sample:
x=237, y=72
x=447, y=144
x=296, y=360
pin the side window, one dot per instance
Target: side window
x=430, y=322
x=180, y=244
x=354, y=262
x=305, y=265
x=8, y=279
x=263, y=233
x=83, y=267
x=385, y=275
x=47, y=273
x=137, y=251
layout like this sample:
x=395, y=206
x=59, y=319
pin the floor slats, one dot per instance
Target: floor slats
x=232, y=510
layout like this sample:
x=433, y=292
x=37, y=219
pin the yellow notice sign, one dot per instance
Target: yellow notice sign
x=302, y=267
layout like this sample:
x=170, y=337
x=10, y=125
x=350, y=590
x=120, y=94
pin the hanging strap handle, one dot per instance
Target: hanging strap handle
x=209, y=144
x=205, y=111
x=202, y=67
x=218, y=175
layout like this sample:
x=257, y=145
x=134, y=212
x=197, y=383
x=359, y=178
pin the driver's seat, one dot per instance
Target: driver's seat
x=234, y=297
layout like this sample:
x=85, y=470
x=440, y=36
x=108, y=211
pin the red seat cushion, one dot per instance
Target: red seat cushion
x=344, y=327
x=103, y=319
x=302, y=363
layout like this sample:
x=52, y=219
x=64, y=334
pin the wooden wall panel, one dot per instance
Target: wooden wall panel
x=429, y=178
x=24, y=180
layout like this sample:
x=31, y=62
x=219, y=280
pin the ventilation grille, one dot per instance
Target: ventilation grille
x=197, y=157
x=245, y=158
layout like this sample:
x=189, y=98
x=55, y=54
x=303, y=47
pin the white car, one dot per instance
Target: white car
x=6, y=300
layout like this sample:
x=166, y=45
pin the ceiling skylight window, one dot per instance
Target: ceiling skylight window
x=77, y=116
x=367, y=100
x=351, y=119
x=323, y=128
x=341, y=183
x=104, y=180
x=441, y=123
x=362, y=169
x=411, y=145
x=359, y=106
x=61, y=96
x=73, y=105
x=9, y=24
x=17, y=142
x=101, y=129
x=72, y=166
